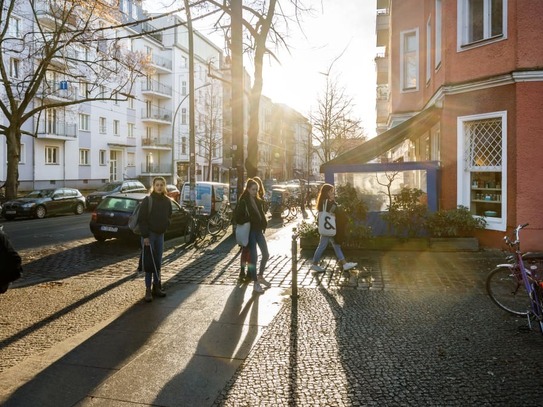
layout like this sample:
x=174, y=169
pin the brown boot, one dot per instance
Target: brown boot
x=157, y=290
x=148, y=295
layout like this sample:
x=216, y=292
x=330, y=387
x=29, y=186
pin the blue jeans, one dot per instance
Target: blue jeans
x=257, y=237
x=323, y=243
x=156, y=241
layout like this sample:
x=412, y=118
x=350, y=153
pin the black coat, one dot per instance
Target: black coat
x=245, y=212
x=10, y=263
x=158, y=220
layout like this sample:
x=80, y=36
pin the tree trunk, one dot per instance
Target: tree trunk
x=13, y=137
x=251, y=163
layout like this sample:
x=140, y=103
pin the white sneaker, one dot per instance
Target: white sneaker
x=258, y=288
x=348, y=266
x=317, y=268
x=262, y=280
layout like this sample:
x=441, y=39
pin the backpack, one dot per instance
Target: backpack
x=133, y=223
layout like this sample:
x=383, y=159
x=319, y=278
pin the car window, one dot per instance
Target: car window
x=118, y=204
x=70, y=193
x=175, y=207
x=109, y=187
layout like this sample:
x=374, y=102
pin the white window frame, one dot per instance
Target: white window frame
x=130, y=159
x=102, y=124
x=183, y=115
x=404, y=56
x=102, y=154
x=463, y=29
x=131, y=130
x=52, y=155
x=14, y=67
x=84, y=156
x=438, y=33
x=14, y=29
x=429, y=49
x=116, y=128
x=130, y=102
x=84, y=122
x=22, y=153
x=463, y=173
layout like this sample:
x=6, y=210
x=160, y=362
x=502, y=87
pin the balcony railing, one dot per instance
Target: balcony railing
x=156, y=142
x=148, y=29
x=156, y=113
x=57, y=129
x=156, y=169
x=161, y=62
x=156, y=87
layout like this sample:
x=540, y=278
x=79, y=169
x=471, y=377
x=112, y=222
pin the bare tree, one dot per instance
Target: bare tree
x=335, y=130
x=209, y=139
x=266, y=24
x=55, y=54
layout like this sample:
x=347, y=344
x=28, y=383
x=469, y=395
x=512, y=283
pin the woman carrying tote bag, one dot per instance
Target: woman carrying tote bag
x=326, y=206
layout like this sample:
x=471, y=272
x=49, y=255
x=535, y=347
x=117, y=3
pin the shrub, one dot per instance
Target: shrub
x=457, y=222
x=406, y=214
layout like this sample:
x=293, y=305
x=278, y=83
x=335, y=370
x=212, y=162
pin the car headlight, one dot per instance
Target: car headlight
x=28, y=205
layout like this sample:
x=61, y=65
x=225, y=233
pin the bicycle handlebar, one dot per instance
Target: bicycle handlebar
x=516, y=242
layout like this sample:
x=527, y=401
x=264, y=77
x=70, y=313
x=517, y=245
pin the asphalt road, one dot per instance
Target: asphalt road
x=34, y=233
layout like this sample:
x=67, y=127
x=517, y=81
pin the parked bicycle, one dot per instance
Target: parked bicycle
x=288, y=209
x=196, y=229
x=220, y=220
x=517, y=287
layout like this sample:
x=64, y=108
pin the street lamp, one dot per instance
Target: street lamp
x=174, y=166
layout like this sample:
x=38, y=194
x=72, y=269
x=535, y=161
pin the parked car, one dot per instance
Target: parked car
x=110, y=218
x=43, y=202
x=210, y=195
x=173, y=192
x=94, y=198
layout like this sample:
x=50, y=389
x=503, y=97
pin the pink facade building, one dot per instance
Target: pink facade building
x=460, y=82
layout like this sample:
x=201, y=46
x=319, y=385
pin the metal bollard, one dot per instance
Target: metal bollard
x=294, y=253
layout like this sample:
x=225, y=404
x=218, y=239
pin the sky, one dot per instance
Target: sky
x=334, y=28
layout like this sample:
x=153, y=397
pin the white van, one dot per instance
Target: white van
x=210, y=195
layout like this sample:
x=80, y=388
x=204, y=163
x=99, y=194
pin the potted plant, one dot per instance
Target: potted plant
x=453, y=229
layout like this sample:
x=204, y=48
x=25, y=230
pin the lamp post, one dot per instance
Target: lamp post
x=174, y=166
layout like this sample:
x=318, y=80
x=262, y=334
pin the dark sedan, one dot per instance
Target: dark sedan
x=110, y=218
x=43, y=202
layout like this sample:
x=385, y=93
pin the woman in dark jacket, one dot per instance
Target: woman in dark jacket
x=250, y=208
x=154, y=222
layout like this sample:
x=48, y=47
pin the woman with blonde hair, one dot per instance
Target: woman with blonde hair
x=154, y=219
x=326, y=201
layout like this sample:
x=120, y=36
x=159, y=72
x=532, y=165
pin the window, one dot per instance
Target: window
x=102, y=157
x=428, y=50
x=130, y=102
x=409, y=60
x=84, y=122
x=183, y=145
x=102, y=91
x=481, y=20
x=84, y=156
x=438, y=25
x=51, y=155
x=482, y=166
x=14, y=29
x=184, y=87
x=131, y=130
x=84, y=89
x=103, y=125
x=131, y=159
x=22, y=153
x=116, y=128
x=14, y=66
x=183, y=116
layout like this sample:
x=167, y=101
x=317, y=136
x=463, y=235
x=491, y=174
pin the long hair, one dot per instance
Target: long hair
x=250, y=182
x=164, y=191
x=261, y=191
x=323, y=195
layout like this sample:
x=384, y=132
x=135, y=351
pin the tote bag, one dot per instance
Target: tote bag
x=327, y=221
x=242, y=231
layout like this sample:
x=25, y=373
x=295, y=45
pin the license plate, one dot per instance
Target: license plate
x=11, y=212
x=108, y=229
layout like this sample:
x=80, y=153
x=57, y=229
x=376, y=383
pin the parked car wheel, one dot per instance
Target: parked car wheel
x=79, y=209
x=41, y=212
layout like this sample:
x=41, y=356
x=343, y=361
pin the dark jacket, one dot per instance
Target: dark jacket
x=10, y=263
x=245, y=212
x=159, y=219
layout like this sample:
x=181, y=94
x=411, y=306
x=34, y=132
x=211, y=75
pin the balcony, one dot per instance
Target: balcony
x=57, y=130
x=161, y=64
x=156, y=115
x=157, y=89
x=157, y=143
x=156, y=169
x=152, y=32
x=57, y=91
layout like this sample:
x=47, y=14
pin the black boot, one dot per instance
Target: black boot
x=157, y=290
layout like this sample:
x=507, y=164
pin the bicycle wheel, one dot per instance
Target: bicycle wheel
x=538, y=316
x=215, y=224
x=294, y=211
x=189, y=234
x=505, y=287
x=202, y=228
